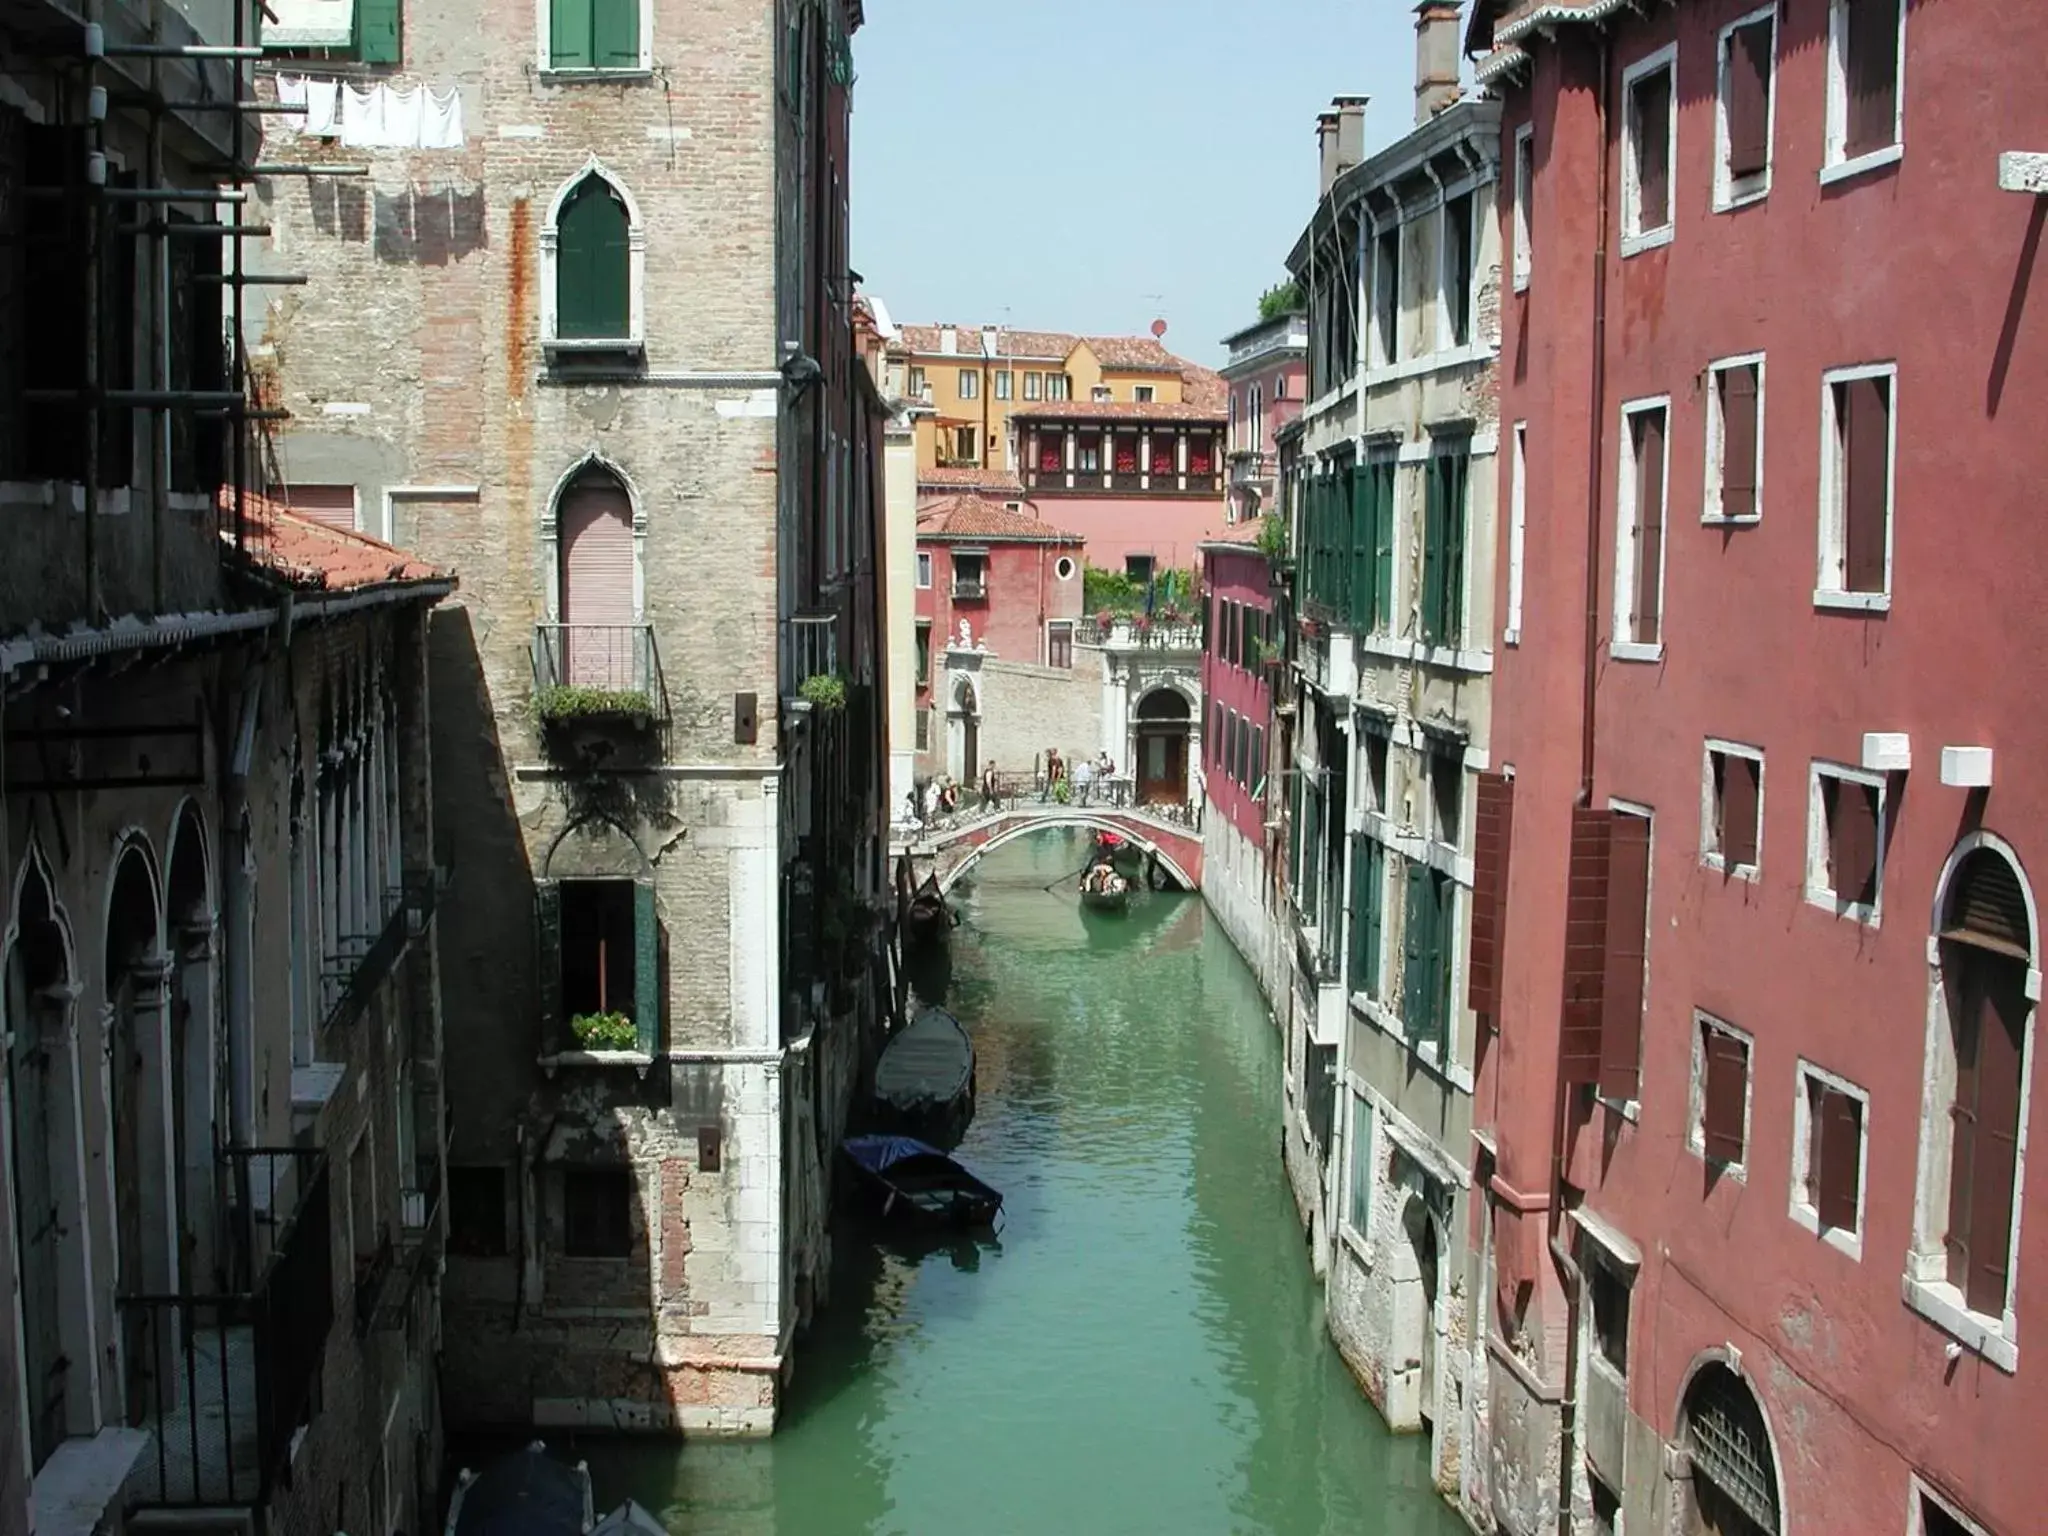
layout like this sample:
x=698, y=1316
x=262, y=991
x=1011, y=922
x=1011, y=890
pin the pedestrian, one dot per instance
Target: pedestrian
x=1084, y=776
x=991, y=787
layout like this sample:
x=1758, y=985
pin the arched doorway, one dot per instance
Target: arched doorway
x=1162, y=748
x=198, y=1059
x=966, y=761
x=1734, y=1488
x=599, y=643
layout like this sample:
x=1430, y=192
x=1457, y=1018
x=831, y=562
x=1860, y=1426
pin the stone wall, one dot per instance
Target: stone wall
x=1024, y=709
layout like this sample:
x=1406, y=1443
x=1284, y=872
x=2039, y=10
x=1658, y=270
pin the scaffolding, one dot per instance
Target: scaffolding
x=154, y=64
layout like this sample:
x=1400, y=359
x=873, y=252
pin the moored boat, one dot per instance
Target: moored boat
x=1104, y=890
x=919, y=1185
x=527, y=1493
x=926, y=918
x=1120, y=851
x=924, y=1081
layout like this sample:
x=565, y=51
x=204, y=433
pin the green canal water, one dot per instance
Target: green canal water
x=1140, y=1349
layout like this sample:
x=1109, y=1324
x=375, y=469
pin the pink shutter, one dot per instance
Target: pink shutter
x=597, y=586
x=333, y=505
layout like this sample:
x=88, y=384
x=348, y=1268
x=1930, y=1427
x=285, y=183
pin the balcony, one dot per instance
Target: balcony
x=1140, y=632
x=1252, y=468
x=597, y=673
x=970, y=589
x=1097, y=482
x=351, y=977
x=222, y=1382
x=814, y=645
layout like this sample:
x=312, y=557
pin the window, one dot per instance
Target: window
x=366, y=1229
x=1742, y=170
x=1144, y=394
x=594, y=34
x=1358, y=1210
x=1088, y=455
x=1430, y=942
x=1446, y=790
x=592, y=242
x=1866, y=59
x=597, y=1213
x=1063, y=568
x=1280, y=386
x=599, y=943
x=1856, y=487
x=476, y=1212
x=1936, y=1516
x=1386, y=296
x=1375, y=731
x=1649, y=153
x=1058, y=386
x=1034, y=386
x=1059, y=644
x=368, y=31
x=1639, y=551
x=1720, y=1094
x=970, y=574
x=1518, y=514
x=1002, y=383
x=1525, y=189
x=595, y=570
x=1829, y=1120
x=1458, y=232
x=963, y=445
x=1735, y=441
x=917, y=384
x=1607, y=930
x=1368, y=915
x=1845, y=842
x=1731, y=820
x=924, y=644
x=1138, y=567
x=970, y=384
x=924, y=730
x=333, y=505
x=1443, y=544
x=924, y=568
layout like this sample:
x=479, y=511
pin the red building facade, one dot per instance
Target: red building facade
x=1237, y=685
x=1141, y=481
x=1267, y=374
x=1762, y=944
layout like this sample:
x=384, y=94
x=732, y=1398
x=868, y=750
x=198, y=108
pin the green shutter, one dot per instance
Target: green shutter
x=615, y=33
x=1361, y=549
x=591, y=264
x=1454, y=547
x=547, y=960
x=1383, y=539
x=1294, y=832
x=569, y=34
x=1311, y=854
x=377, y=31
x=1443, y=934
x=1433, y=551
x=646, y=968
x=1368, y=869
x=1416, y=971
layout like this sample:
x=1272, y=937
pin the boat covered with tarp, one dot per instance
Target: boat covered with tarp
x=528, y=1493
x=924, y=1082
x=919, y=1185
x=629, y=1519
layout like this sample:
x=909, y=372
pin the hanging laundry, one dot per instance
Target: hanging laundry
x=441, y=119
x=362, y=117
x=291, y=92
x=323, y=114
x=309, y=23
x=401, y=117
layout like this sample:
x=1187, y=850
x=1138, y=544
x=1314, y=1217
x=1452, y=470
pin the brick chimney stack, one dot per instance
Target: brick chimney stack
x=1350, y=130
x=1326, y=147
x=1436, y=57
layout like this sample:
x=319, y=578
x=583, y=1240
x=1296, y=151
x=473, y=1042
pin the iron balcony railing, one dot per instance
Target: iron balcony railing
x=221, y=1381
x=971, y=589
x=1123, y=482
x=1249, y=467
x=351, y=977
x=585, y=670
x=814, y=645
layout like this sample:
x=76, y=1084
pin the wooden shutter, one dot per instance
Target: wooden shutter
x=1738, y=441
x=1866, y=491
x=1621, y=1012
x=1649, y=528
x=1383, y=545
x=1433, y=549
x=332, y=505
x=1749, y=98
x=1362, y=530
x=646, y=968
x=377, y=31
x=1984, y=1157
x=569, y=29
x=597, y=586
x=1454, y=513
x=593, y=292
x=1444, y=937
x=1361, y=912
x=1417, y=951
x=1873, y=75
x=1653, y=151
x=1493, y=826
x=1852, y=839
x=1738, y=808
x=1724, y=1094
x=1585, y=944
x=1838, y=1138
x=547, y=959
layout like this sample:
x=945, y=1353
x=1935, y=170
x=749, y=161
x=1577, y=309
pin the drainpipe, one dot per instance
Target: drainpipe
x=1568, y=1404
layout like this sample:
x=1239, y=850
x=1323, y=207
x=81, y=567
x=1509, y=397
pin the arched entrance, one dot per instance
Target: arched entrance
x=599, y=645
x=965, y=764
x=1162, y=741
x=1734, y=1487
x=198, y=1059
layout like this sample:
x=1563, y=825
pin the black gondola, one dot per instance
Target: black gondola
x=1104, y=889
x=527, y=1493
x=924, y=1081
x=1126, y=855
x=927, y=919
x=920, y=1185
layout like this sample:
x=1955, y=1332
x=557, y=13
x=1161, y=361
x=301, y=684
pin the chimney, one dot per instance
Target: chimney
x=1436, y=57
x=1326, y=148
x=1350, y=130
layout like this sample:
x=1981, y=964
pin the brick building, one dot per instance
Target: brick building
x=584, y=334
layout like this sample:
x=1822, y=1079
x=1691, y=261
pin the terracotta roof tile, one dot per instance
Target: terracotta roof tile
x=972, y=477
x=1117, y=410
x=315, y=556
x=1133, y=354
x=1045, y=346
x=1204, y=387
x=967, y=516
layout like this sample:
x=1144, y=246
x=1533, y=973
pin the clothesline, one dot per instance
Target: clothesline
x=381, y=117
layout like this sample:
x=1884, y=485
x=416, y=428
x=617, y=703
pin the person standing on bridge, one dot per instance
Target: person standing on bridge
x=991, y=788
x=1084, y=778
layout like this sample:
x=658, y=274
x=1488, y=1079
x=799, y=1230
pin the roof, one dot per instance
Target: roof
x=1204, y=387
x=1236, y=536
x=973, y=477
x=1120, y=410
x=1140, y=354
x=967, y=516
x=314, y=556
x=1046, y=346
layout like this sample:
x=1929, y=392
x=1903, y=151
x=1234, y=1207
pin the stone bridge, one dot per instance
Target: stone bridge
x=1168, y=833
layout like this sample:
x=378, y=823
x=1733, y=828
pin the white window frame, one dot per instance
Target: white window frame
x=1358, y=1097
x=1445, y=341
x=970, y=384
x=1518, y=509
x=1385, y=350
x=1820, y=890
x=1632, y=1109
x=1716, y=467
x=924, y=570
x=543, y=31
x=1003, y=384
x=1634, y=237
x=1063, y=568
x=1835, y=166
x=1696, y=1103
x=1525, y=189
x=1034, y=385
x=1144, y=394
x=1712, y=858
x=1802, y=1211
x=1728, y=192
x=1069, y=626
x=1920, y=1493
x=636, y=266
x=1620, y=642
x=1832, y=569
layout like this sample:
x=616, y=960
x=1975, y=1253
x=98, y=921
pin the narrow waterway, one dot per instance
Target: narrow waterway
x=1140, y=1349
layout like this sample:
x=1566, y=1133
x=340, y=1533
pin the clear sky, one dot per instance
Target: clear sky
x=1093, y=165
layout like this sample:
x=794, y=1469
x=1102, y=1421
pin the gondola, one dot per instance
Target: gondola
x=927, y=919
x=924, y=1081
x=919, y=1185
x=528, y=1493
x=1120, y=851
x=1103, y=889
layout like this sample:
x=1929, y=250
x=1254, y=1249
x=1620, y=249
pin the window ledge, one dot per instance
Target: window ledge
x=1635, y=650
x=640, y=1061
x=1852, y=602
x=1843, y=1242
x=1716, y=520
x=1719, y=865
x=1428, y=362
x=1353, y=1239
x=1859, y=911
x=1630, y=1110
x=79, y=1487
x=1453, y=1074
x=1696, y=1146
x=1635, y=245
x=593, y=346
x=579, y=74
x=1996, y=1339
x=314, y=1085
x=1728, y=202
x=1876, y=160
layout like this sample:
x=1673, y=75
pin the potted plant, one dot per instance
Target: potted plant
x=607, y=1031
x=823, y=690
x=1103, y=619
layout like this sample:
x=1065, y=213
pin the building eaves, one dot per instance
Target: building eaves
x=1471, y=121
x=1258, y=327
x=1120, y=410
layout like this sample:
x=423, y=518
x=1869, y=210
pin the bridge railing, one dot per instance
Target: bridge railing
x=1028, y=796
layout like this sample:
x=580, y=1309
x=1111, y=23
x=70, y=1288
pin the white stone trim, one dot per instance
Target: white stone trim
x=1728, y=193
x=1518, y=511
x=1829, y=591
x=1622, y=646
x=543, y=32
x=1633, y=237
x=1801, y=1209
x=1834, y=165
x=551, y=533
x=1696, y=1101
x=1715, y=458
x=1712, y=857
x=1820, y=891
x=1524, y=216
x=1918, y=1489
x=636, y=251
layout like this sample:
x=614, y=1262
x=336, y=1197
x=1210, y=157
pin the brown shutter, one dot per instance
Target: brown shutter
x=1866, y=493
x=1873, y=71
x=1749, y=99
x=1852, y=839
x=1987, y=908
x=1984, y=1164
x=1738, y=441
x=1724, y=1092
x=1493, y=825
x=597, y=584
x=1649, y=432
x=1585, y=945
x=1653, y=149
x=1839, y=1140
x=333, y=505
x=1738, y=809
x=1628, y=900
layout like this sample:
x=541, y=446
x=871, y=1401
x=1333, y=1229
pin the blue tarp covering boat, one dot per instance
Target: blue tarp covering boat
x=528, y=1493
x=917, y=1183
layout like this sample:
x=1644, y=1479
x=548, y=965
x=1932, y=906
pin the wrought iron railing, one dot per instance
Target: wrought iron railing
x=350, y=978
x=969, y=588
x=587, y=670
x=814, y=645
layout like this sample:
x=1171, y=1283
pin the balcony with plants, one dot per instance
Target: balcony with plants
x=597, y=675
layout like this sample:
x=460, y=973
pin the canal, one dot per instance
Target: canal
x=1140, y=1349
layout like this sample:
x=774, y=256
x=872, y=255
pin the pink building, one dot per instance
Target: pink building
x=1267, y=374
x=1755, y=932
x=1237, y=684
